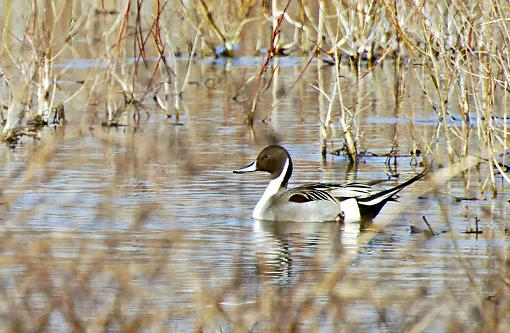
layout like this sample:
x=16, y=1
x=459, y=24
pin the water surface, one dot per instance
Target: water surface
x=159, y=206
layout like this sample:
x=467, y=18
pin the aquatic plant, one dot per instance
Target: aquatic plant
x=126, y=279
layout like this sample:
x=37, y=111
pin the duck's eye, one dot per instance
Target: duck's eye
x=266, y=157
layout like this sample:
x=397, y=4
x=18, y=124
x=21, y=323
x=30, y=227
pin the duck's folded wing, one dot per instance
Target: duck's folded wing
x=340, y=191
x=307, y=193
x=329, y=192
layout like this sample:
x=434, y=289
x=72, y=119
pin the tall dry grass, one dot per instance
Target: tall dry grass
x=458, y=51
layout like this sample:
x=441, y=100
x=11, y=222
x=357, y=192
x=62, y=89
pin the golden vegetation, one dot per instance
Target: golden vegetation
x=456, y=50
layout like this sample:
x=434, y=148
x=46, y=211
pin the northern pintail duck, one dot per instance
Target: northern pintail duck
x=349, y=202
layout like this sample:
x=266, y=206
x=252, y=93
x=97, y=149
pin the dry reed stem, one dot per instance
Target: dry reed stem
x=265, y=65
x=467, y=55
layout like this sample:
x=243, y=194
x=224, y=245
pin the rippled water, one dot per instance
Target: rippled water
x=98, y=179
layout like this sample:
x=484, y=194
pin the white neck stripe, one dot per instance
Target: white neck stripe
x=271, y=189
x=282, y=175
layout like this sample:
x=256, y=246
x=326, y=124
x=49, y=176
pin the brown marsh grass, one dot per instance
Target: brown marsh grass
x=456, y=50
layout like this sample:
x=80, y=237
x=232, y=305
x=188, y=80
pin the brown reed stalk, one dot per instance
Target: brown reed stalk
x=82, y=283
x=280, y=99
x=265, y=65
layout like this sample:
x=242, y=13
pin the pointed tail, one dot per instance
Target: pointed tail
x=372, y=204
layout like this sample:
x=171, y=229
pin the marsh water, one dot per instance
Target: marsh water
x=163, y=188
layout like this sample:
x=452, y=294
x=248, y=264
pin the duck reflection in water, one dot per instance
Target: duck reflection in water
x=285, y=251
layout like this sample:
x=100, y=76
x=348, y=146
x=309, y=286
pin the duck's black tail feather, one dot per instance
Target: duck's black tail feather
x=371, y=205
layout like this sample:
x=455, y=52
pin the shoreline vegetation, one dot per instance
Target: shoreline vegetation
x=457, y=51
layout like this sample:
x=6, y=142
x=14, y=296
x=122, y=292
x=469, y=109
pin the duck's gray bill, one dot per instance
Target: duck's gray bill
x=249, y=168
